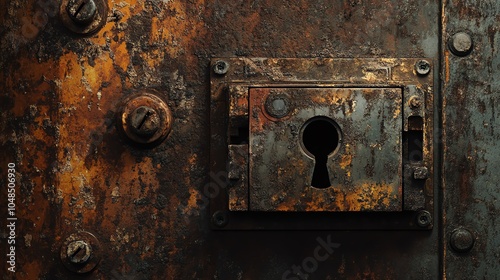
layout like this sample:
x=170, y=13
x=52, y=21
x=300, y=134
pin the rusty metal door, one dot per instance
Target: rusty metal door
x=262, y=139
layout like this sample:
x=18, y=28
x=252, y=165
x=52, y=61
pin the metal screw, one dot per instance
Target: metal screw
x=460, y=44
x=424, y=218
x=221, y=67
x=423, y=67
x=220, y=219
x=82, y=12
x=461, y=240
x=145, y=118
x=144, y=121
x=277, y=105
x=415, y=102
x=81, y=252
x=78, y=252
x=420, y=173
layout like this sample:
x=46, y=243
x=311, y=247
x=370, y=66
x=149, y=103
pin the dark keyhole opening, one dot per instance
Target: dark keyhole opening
x=320, y=138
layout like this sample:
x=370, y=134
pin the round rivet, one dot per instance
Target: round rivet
x=461, y=240
x=278, y=105
x=460, y=44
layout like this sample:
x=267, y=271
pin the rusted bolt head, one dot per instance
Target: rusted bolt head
x=146, y=118
x=81, y=252
x=83, y=16
x=78, y=252
x=423, y=67
x=420, y=173
x=144, y=121
x=424, y=218
x=221, y=67
x=460, y=44
x=82, y=12
x=415, y=102
x=220, y=219
x=461, y=240
x=277, y=105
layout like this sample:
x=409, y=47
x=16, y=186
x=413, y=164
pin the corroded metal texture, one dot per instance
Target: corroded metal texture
x=377, y=107
x=363, y=167
x=470, y=139
x=148, y=206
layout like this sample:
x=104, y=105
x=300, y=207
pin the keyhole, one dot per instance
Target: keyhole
x=320, y=138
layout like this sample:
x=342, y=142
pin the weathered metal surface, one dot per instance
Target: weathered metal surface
x=363, y=167
x=470, y=141
x=147, y=206
x=238, y=177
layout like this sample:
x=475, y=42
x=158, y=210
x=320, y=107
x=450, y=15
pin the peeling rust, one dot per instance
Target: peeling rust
x=62, y=94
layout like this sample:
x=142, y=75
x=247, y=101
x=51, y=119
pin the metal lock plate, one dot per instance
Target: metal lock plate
x=337, y=149
x=319, y=136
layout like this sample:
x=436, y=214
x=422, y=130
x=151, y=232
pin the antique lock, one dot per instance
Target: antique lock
x=323, y=136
